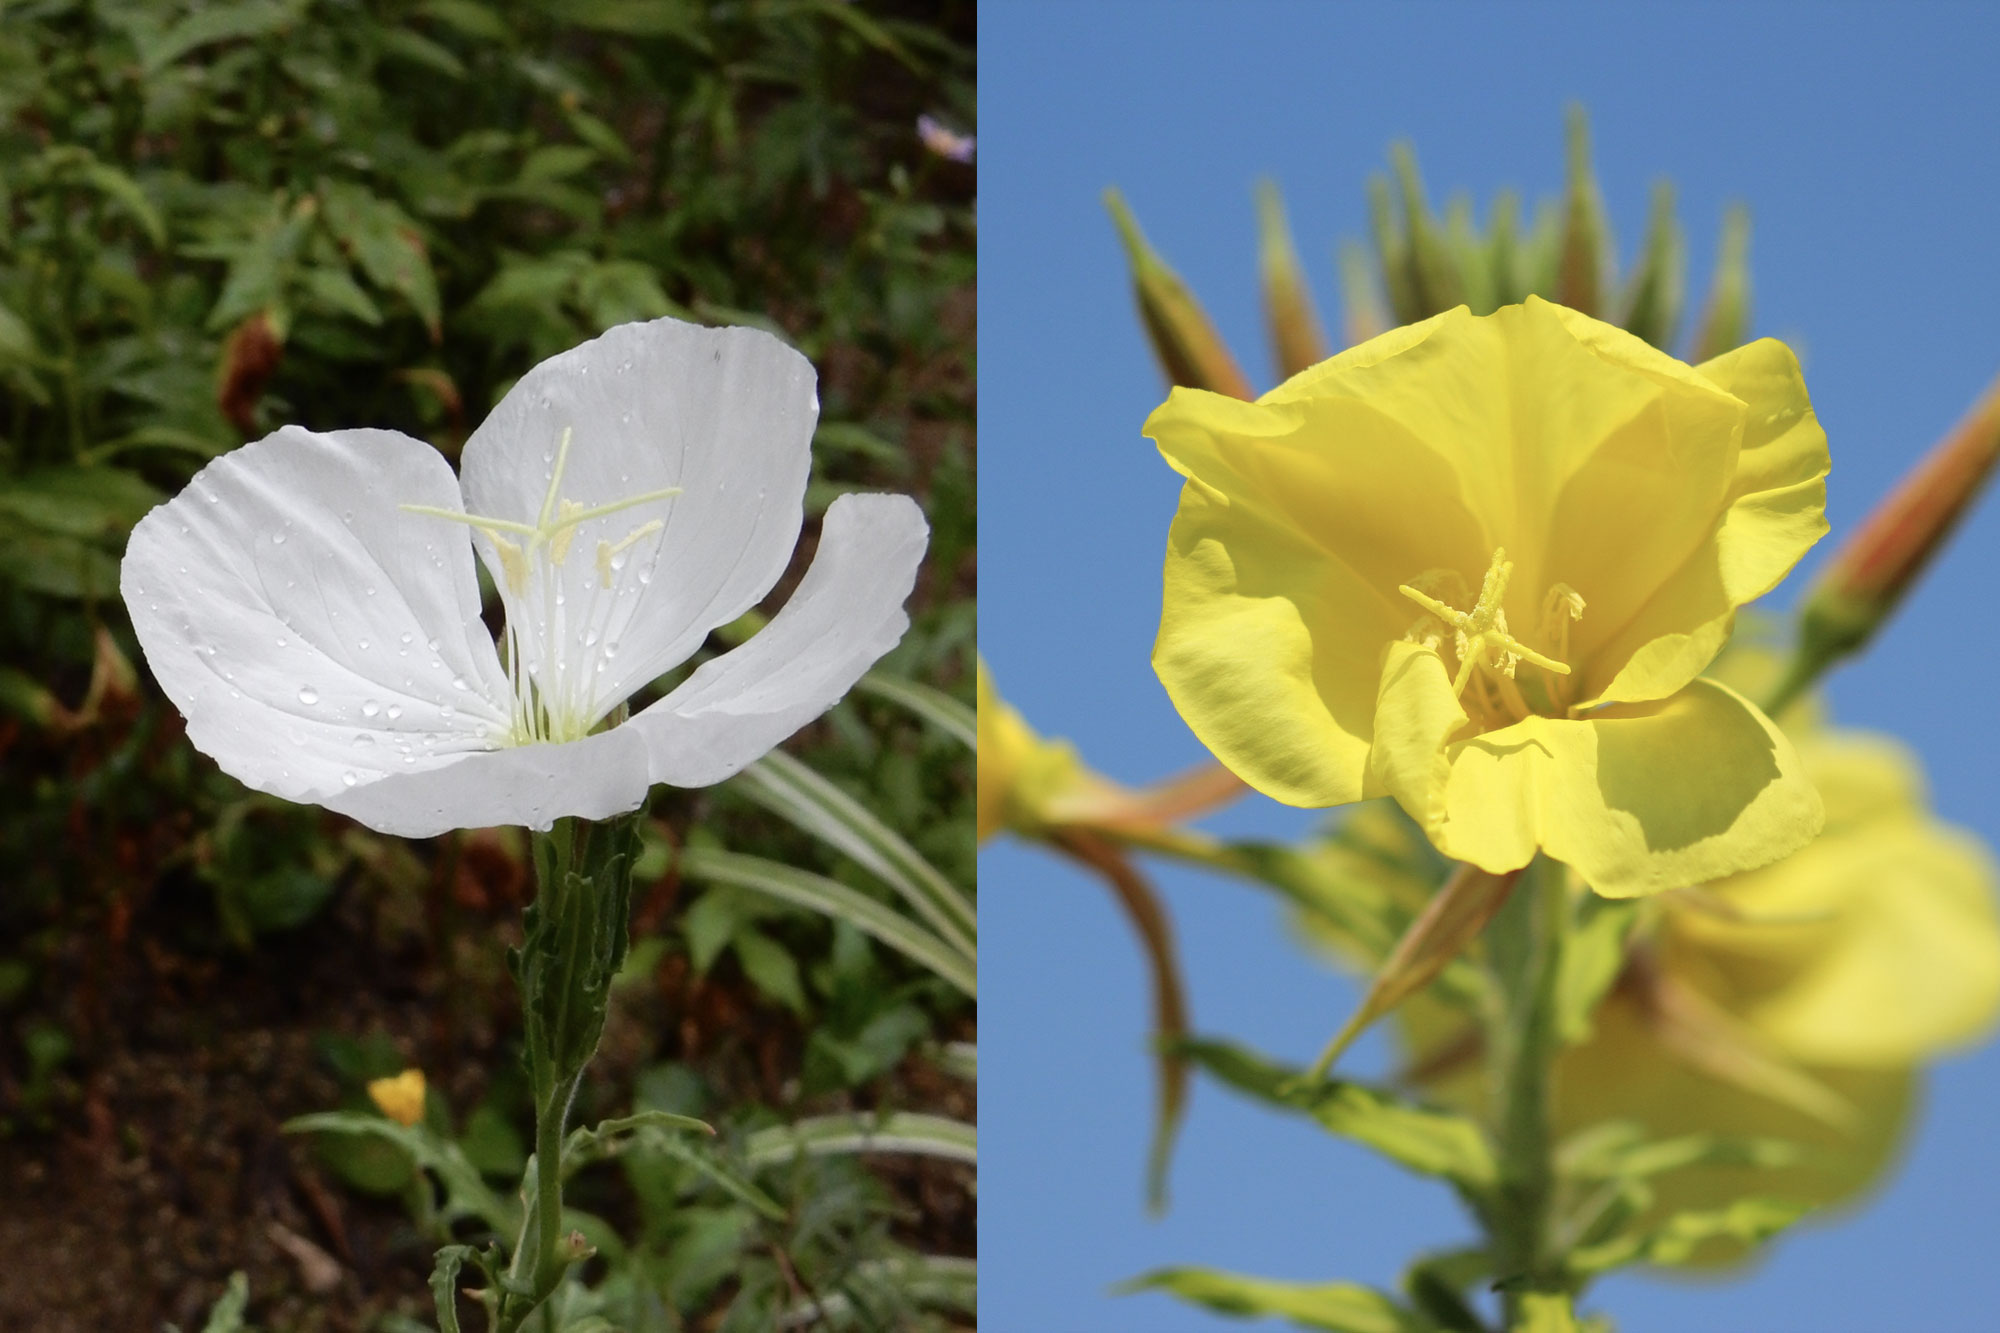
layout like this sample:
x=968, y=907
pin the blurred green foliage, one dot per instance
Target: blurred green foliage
x=217, y=218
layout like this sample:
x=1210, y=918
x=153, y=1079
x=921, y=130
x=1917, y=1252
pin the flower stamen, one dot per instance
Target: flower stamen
x=1481, y=633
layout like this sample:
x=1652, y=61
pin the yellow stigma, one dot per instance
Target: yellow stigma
x=1481, y=633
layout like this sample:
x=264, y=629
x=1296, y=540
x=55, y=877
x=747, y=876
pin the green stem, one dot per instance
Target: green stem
x=577, y=931
x=1525, y=950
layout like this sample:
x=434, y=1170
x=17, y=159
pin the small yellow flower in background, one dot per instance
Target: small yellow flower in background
x=400, y=1097
x=1479, y=564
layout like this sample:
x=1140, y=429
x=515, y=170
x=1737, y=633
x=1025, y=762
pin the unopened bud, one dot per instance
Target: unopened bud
x=1727, y=317
x=1435, y=282
x=1288, y=307
x=400, y=1097
x=1586, y=243
x=1877, y=565
x=1362, y=314
x=1653, y=301
x=1190, y=351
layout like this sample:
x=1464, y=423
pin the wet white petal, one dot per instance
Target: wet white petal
x=726, y=415
x=529, y=785
x=847, y=612
x=316, y=637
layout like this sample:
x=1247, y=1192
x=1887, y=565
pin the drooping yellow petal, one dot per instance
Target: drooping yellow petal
x=400, y=1096
x=1638, y=798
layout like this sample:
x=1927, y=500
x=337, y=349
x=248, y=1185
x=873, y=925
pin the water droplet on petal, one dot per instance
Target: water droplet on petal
x=446, y=712
x=349, y=779
x=370, y=708
x=363, y=738
x=395, y=711
x=458, y=683
x=308, y=695
x=277, y=539
x=284, y=643
x=407, y=636
x=361, y=644
x=433, y=645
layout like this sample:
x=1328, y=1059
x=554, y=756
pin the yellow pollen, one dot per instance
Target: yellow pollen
x=1481, y=633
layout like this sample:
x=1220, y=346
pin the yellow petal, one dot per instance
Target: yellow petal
x=1415, y=714
x=1270, y=642
x=1625, y=1073
x=1878, y=945
x=1637, y=798
x=1771, y=513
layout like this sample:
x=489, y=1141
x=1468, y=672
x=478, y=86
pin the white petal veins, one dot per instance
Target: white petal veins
x=315, y=636
x=726, y=416
x=847, y=612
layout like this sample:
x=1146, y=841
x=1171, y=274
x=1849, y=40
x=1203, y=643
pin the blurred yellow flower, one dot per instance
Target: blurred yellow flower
x=400, y=1097
x=1478, y=564
x=1797, y=1002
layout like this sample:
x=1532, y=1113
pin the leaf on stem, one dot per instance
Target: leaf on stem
x=1428, y=1141
x=1341, y=1307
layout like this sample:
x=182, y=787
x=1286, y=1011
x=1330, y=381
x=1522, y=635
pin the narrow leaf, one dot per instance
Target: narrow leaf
x=936, y=707
x=1748, y=1221
x=1430, y=1142
x=820, y=894
x=1342, y=1307
x=861, y=1132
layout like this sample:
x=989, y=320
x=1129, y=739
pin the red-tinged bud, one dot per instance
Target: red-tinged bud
x=1190, y=351
x=1875, y=569
x=1362, y=315
x=1288, y=307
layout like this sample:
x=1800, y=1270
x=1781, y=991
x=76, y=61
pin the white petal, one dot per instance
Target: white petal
x=529, y=785
x=315, y=636
x=726, y=415
x=847, y=612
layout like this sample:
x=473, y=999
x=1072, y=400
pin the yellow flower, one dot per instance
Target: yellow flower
x=400, y=1097
x=1479, y=564
x=1797, y=1002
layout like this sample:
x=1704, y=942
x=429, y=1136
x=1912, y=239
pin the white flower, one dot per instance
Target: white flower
x=310, y=604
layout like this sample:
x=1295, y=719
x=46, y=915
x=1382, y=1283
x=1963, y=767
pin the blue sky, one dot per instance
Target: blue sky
x=1863, y=139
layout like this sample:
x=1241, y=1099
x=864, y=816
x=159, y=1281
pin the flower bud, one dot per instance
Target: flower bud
x=1295, y=328
x=1728, y=314
x=400, y=1097
x=1872, y=572
x=1653, y=300
x=1191, y=352
x=1586, y=243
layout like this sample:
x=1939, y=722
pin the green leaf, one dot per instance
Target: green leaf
x=771, y=968
x=219, y=23
x=334, y=290
x=782, y=784
x=639, y=18
x=17, y=340
x=553, y=162
x=54, y=565
x=1620, y=1150
x=466, y=1193
x=85, y=502
x=608, y=1138
x=123, y=191
x=1342, y=1307
x=468, y=17
x=860, y=1132
x=947, y=714
x=1428, y=1141
x=1593, y=954
x=385, y=244
x=821, y=894
x=1674, y=1241
x=420, y=50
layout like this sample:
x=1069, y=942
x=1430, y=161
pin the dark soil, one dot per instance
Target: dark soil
x=160, y=1166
